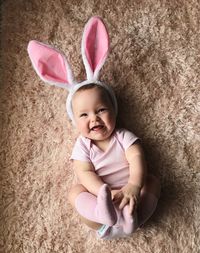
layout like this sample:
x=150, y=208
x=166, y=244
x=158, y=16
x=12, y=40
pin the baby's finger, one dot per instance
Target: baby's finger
x=117, y=198
x=115, y=201
x=123, y=203
x=114, y=192
x=131, y=205
x=118, y=195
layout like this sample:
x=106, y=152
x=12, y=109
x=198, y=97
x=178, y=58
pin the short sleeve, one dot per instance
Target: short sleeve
x=127, y=138
x=80, y=151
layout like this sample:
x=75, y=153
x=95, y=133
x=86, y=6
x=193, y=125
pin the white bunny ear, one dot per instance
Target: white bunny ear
x=95, y=47
x=50, y=64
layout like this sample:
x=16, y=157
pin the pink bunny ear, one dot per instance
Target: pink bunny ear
x=50, y=64
x=95, y=47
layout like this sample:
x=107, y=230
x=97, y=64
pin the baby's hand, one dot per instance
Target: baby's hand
x=127, y=195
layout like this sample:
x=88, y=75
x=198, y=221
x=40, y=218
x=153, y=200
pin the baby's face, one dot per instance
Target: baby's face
x=93, y=114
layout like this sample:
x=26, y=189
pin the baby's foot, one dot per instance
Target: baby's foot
x=128, y=221
x=105, y=209
x=108, y=233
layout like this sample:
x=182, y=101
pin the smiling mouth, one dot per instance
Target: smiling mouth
x=97, y=128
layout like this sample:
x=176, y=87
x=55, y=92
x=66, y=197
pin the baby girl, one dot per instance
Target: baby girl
x=115, y=195
x=109, y=163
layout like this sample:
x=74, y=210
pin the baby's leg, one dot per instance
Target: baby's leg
x=98, y=209
x=126, y=225
x=74, y=192
x=106, y=232
x=149, y=198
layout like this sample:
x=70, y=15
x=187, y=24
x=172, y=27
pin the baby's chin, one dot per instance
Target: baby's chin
x=99, y=136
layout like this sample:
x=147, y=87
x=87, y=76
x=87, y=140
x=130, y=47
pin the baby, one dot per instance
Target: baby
x=115, y=195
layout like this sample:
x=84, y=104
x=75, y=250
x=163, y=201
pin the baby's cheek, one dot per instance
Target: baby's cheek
x=83, y=126
x=78, y=124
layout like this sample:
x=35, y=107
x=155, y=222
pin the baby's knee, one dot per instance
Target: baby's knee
x=74, y=192
x=153, y=180
x=156, y=186
x=153, y=185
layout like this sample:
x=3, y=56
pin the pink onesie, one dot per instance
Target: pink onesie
x=111, y=165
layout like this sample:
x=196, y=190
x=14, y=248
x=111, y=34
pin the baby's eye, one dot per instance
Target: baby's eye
x=83, y=115
x=102, y=110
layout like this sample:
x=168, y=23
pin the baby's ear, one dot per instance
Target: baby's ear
x=95, y=47
x=50, y=64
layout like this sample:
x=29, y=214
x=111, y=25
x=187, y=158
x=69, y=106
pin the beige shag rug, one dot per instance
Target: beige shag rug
x=154, y=67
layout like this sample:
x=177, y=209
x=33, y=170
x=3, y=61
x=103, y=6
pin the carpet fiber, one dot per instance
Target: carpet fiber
x=154, y=69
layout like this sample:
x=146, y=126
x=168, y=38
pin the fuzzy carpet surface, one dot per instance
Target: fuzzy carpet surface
x=154, y=68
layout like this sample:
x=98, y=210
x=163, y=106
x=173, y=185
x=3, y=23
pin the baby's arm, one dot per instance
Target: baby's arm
x=137, y=165
x=129, y=194
x=87, y=176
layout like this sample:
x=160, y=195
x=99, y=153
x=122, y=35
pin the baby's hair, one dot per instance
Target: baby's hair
x=97, y=86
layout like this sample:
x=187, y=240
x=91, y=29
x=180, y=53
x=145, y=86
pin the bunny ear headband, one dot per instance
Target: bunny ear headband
x=52, y=66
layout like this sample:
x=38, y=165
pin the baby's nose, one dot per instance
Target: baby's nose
x=94, y=117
